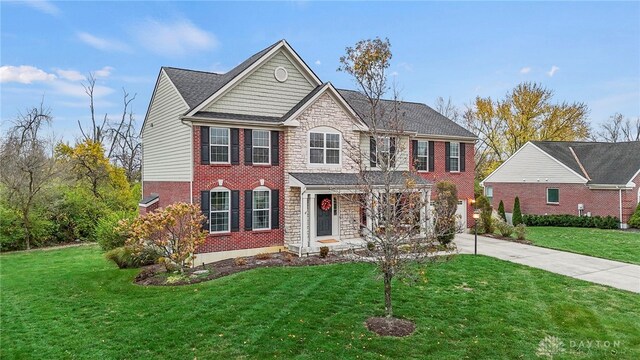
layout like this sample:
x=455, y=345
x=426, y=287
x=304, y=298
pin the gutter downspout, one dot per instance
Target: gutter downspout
x=620, y=204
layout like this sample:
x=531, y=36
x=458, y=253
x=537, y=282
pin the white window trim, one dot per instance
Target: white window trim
x=456, y=157
x=486, y=192
x=553, y=203
x=423, y=156
x=324, y=132
x=253, y=146
x=268, y=209
x=228, y=211
x=228, y=146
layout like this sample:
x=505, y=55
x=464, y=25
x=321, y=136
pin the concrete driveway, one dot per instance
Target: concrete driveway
x=596, y=270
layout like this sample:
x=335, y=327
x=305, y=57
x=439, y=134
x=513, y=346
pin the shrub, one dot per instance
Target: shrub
x=634, y=221
x=12, y=231
x=504, y=228
x=77, y=212
x=240, y=261
x=445, y=207
x=501, y=212
x=607, y=222
x=125, y=258
x=521, y=231
x=485, y=215
x=288, y=257
x=517, y=214
x=108, y=232
x=324, y=251
x=263, y=256
x=371, y=246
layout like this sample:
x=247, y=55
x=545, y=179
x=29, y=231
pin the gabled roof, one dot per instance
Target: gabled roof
x=415, y=117
x=604, y=163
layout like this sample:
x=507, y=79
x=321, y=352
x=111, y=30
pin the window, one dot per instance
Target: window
x=553, y=196
x=219, y=145
x=220, y=211
x=261, y=145
x=488, y=191
x=454, y=157
x=422, y=156
x=324, y=148
x=261, y=209
x=384, y=150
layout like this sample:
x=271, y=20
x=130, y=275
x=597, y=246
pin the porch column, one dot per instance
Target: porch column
x=312, y=218
x=304, y=209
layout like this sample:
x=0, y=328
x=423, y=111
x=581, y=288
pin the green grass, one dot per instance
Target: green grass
x=608, y=244
x=72, y=303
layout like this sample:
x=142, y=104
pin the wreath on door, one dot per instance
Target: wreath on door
x=325, y=204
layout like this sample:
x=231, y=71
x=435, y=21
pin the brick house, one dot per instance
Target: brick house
x=578, y=178
x=260, y=147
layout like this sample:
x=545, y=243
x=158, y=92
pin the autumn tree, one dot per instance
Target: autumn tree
x=526, y=113
x=26, y=160
x=618, y=129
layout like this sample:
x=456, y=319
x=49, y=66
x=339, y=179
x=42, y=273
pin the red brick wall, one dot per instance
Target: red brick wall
x=533, y=199
x=463, y=180
x=239, y=177
x=170, y=192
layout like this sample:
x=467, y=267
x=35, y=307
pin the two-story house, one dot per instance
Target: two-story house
x=266, y=148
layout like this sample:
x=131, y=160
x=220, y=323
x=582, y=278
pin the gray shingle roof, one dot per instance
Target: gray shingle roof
x=147, y=199
x=605, y=163
x=345, y=179
x=413, y=116
x=241, y=117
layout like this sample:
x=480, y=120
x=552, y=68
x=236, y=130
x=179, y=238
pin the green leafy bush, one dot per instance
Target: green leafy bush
x=125, y=258
x=12, y=233
x=521, y=231
x=77, y=212
x=445, y=207
x=324, y=251
x=107, y=233
x=634, y=221
x=486, y=225
x=501, y=212
x=606, y=222
x=505, y=229
x=517, y=214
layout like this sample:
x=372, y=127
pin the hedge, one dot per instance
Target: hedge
x=606, y=222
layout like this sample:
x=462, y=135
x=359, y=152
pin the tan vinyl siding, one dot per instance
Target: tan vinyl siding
x=261, y=94
x=402, y=152
x=531, y=164
x=166, y=141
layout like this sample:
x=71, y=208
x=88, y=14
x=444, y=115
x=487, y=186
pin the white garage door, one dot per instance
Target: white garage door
x=461, y=213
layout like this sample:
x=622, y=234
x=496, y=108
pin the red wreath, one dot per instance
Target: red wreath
x=325, y=205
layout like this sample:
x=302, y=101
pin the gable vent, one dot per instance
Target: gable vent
x=281, y=74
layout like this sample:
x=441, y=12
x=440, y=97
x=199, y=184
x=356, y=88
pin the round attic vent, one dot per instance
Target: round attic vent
x=281, y=74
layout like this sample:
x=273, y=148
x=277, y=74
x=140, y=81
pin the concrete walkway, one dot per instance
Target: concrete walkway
x=600, y=271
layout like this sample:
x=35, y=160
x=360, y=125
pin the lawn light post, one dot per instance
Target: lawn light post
x=476, y=216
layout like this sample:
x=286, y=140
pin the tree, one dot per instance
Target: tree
x=516, y=219
x=501, y=212
x=448, y=109
x=619, y=129
x=486, y=212
x=392, y=200
x=444, y=209
x=175, y=231
x=27, y=165
x=525, y=114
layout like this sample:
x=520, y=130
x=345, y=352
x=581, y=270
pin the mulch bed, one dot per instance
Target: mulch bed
x=390, y=326
x=157, y=275
x=499, y=237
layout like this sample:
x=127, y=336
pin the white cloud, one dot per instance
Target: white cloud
x=102, y=43
x=553, y=71
x=394, y=73
x=525, y=70
x=177, y=38
x=24, y=74
x=77, y=90
x=318, y=62
x=103, y=73
x=71, y=75
x=43, y=6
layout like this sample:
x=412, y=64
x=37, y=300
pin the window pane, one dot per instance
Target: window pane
x=423, y=148
x=219, y=136
x=219, y=221
x=261, y=219
x=453, y=164
x=261, y=155
x=384, y=145
x=333, y=141
x=219, y=200
x=488, y=191
x=421, y=163
x=316, y=140
x=333, y=156
x=260, y=200
x=317, y=156
x=553, y=195
x=455, y=149
x=219, y=153
x=260, y=138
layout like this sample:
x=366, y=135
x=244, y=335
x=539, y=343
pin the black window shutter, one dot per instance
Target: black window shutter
x=275, y=209
x=462, y=157
x=205, y=152
x=248, y=153
x=414, y=155
x=372, y=152
x=447, y=154
x=275, y=147
x=235, y=210
x=431, y=156
x=392, y=152
x=205, y=199
x=235, y=146
x=248, y=209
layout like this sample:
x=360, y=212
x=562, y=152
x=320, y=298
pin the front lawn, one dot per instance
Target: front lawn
x=609, y=244
x=72, y=303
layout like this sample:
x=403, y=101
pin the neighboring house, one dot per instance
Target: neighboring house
x=258, y=144
x=564, y=177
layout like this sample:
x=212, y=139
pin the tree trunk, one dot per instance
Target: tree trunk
x=27, y=229
x=388, y=309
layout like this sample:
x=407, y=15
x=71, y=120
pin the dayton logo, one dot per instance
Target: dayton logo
x=549, y=347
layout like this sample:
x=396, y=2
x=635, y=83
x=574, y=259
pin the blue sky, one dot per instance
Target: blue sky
x=585, y=51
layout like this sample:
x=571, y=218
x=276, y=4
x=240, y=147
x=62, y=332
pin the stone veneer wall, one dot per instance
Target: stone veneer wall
x=349, y=217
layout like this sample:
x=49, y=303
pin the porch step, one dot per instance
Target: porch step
x=315, y=249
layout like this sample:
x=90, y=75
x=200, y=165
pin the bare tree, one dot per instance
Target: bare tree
x=619, y=129
x=448, y=109
x=127, y=150
x=26, y=159
x=393, y=201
